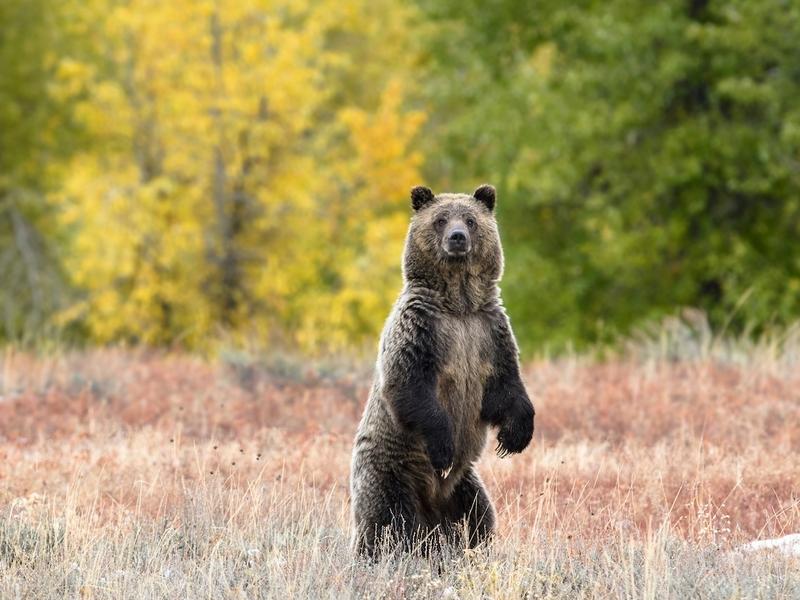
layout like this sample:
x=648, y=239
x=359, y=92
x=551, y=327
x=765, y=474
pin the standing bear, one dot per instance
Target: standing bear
x=447, y=369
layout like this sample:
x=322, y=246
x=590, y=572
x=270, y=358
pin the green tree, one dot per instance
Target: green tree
x=646, y=155
x=39, y=85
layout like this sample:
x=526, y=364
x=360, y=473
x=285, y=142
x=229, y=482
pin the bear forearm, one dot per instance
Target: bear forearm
x=438, y=435
x=418, y=413
x=505, y=401
x=415, y=409
x=503, y=394
x=506, y=404
x=411, y=364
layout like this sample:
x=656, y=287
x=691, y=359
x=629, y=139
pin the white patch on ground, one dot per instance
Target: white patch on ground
x=788, y=545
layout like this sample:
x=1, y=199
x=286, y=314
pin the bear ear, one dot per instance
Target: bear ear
x=421, y=196
x=487, y=195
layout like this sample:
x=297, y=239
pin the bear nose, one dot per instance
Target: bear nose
x=458, y=237
x=457, y=242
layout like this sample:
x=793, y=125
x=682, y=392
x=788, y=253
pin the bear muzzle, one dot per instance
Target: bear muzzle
x=457, y=243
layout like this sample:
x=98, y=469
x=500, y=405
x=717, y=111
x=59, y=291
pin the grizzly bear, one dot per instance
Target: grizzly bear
x=447, y=370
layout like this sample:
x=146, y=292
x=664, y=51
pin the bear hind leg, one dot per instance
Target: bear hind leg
x=471, y=513
x=386, y=526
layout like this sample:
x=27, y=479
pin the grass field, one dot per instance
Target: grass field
x=136, y=474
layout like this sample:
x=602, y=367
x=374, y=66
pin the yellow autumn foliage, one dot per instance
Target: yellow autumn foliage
x=248, y=177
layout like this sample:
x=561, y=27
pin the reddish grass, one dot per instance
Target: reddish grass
x=620, y=446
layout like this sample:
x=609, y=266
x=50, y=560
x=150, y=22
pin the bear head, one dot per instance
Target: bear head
x=453, y=235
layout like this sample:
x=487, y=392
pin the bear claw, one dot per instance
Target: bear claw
x=445, y=472
x=501, y=451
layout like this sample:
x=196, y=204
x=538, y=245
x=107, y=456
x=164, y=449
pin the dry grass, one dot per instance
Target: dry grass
x=142, y=475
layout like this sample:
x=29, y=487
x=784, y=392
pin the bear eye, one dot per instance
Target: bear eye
x=441, y=222
x=471, y=223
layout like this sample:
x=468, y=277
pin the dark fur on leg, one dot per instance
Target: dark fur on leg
x=505, y=401
x=471, y=512
x=388, y=526
x=410, y=383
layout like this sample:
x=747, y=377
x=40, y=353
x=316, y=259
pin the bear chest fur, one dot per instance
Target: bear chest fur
x=466, y=344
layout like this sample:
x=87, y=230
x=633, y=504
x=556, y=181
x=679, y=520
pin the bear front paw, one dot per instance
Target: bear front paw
x=515, y=434
x=441, y=450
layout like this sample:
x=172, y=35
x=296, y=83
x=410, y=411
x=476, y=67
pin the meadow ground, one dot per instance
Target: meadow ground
x=137, y=474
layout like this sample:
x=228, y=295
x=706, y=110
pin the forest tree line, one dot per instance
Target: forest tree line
x=189, y=172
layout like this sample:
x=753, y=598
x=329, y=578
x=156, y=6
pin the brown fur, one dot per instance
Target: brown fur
x=447, y=369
